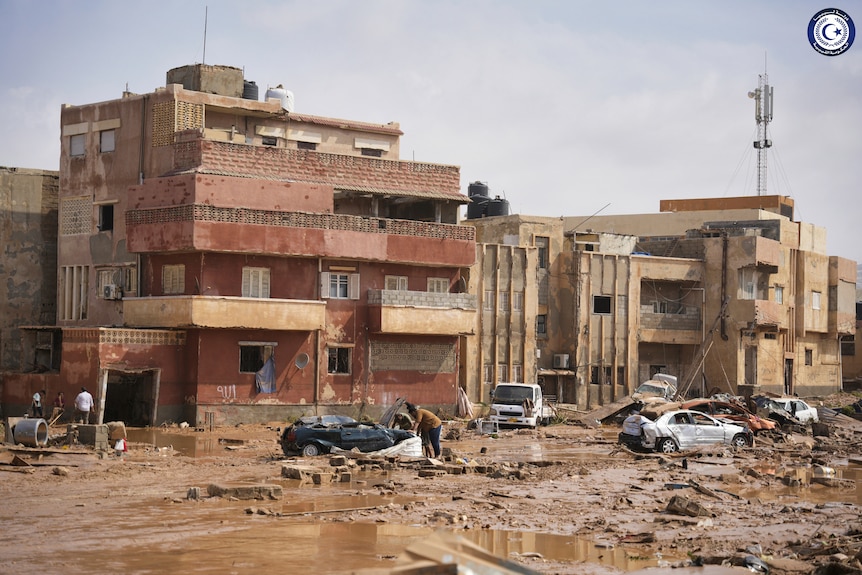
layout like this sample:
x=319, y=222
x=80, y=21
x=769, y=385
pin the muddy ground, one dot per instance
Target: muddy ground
x=563, y=499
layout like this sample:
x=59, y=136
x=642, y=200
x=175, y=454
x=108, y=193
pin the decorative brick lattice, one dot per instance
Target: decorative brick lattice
x=170, y=117
x=207, y=213
x=428, y=358
x=76, y=216
x=142, y=337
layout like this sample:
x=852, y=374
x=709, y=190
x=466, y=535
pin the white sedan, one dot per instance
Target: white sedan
x=687, y=429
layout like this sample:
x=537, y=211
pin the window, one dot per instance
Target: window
x=372, y=152
x=106, y=141
x=542, y=243
x=815, y=300
x=396, y=283
x=602, y=304
x=779, y=294
x=438, y=285
x=541, y=324
x=621, y=375
x=75, y=284
x=746, y=283
x=173, y=279
x=594, y=374
x=106, y=217
x=518, y=301
x=269, y=141
x=337, y=285
x=488, y=372
x=608, y=372
x=252, y=356
x=338, y=360
x=809, y=357
x=502, y=372
x=488, y=304
x=306, y=146
x=517, y=373
x=848, y=345
x=255, y=282
x=77, y=145
x=504, y=301
x=130, y=280
x=105, y=277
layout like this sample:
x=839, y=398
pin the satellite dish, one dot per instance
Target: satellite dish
x=301, y=360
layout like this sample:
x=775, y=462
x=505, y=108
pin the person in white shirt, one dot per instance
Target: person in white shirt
x=83, y=405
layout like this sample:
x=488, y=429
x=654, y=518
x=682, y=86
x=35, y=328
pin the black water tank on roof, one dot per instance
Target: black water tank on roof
x=249, y=90
x=497, y=207
x=477, y=206
x=477, y=189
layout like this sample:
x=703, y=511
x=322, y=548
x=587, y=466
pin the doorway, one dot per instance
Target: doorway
x=130, y=397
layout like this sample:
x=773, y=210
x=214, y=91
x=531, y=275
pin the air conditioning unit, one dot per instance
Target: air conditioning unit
x=112, y=291
x=561, y=361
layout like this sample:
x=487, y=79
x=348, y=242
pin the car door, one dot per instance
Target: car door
x=708, y=430
x=683, y=430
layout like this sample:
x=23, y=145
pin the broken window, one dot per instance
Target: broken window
x=338, y=360
x=809, y=357
x=541, y=324
x=253, y=355
x=106, y=217
x=602, y=304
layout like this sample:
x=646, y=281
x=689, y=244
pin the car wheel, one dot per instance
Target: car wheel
x=310, y=449
x=667, y=445
x=739, y=440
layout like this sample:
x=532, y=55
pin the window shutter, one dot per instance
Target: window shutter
x=402, y=283
x=324, y=285
x=353, y=289
x=264, y=283
x=391, y=283
x=246, y=282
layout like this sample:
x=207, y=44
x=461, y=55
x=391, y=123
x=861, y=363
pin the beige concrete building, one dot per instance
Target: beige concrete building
x=28, y=236
x=729, y=295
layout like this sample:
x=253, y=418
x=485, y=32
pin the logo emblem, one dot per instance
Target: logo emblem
x=831, y=32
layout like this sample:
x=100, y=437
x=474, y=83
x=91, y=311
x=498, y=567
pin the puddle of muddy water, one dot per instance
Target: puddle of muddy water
x=267, y=545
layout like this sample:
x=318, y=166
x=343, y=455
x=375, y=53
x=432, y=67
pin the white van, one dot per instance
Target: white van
x=520, y=404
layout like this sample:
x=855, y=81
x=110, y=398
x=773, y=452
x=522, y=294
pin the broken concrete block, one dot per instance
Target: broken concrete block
x=301, y=472
x=337, y=460
x=684, y=506
x=245, y=491
x=320, y=478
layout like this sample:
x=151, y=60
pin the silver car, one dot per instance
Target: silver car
x=687, y=429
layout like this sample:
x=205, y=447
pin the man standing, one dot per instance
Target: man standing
x=427, y=422
x=37, y=404
x=83, y=405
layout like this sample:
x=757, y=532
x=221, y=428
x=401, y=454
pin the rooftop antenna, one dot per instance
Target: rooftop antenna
x=206, y=14
x=762, y=97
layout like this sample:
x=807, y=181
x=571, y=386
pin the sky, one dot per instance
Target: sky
x=563, y=107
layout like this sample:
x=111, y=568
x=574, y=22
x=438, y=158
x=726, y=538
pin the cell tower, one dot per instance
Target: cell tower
x=762, y=115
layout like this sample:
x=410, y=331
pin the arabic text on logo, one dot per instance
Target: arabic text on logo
x=831, y=32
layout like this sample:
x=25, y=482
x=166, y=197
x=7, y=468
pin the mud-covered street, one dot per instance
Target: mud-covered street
x=562, y=499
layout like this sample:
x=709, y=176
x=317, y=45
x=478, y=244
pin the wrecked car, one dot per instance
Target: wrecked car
x=315, y=435
x=787, y=410
x=686, y=429
x=661, y=387
x=731, y=411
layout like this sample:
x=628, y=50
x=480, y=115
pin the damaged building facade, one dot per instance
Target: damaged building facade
x=28, y=259
x=730, y=295
x=223, y=258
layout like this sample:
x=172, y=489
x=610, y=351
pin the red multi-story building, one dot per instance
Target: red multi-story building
x=222, y=258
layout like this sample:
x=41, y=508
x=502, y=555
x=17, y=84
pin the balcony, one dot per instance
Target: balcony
x=683, y=327
x=201, y=227
x=759, y=252
x=187, y=311
x=421, y=313
x=759, y=312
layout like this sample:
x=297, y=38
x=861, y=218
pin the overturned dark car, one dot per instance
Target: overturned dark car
x=315, y=435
